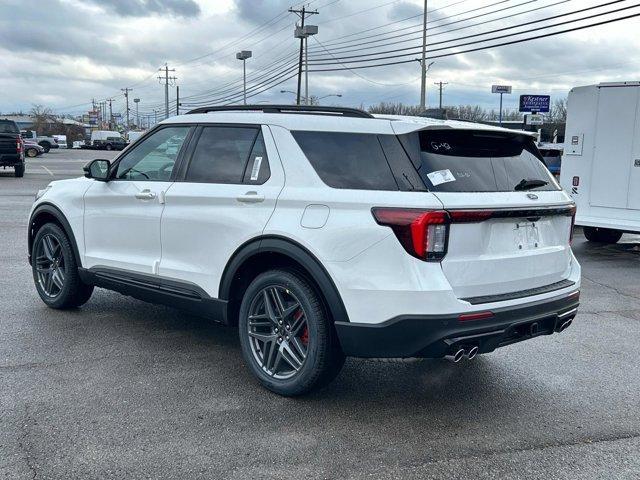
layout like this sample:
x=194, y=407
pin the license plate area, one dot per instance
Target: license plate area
x=526, y=235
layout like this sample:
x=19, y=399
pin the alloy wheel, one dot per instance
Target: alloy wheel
x=278, y=332
x=50, y=266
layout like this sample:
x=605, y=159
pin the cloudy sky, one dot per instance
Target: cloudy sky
x=63, y=53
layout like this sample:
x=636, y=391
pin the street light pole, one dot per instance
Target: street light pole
x=243, y=55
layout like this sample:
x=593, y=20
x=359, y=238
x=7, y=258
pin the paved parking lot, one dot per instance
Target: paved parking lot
x=124, y=389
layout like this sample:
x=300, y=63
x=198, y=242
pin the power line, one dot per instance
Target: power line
x=360, y=58
x=512, y=42
x=333, y=43
x=363, y=77
x=451, y=30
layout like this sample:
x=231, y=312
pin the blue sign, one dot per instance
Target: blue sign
x=534, y=103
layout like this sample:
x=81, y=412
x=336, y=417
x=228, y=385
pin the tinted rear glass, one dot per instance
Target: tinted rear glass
x=221, y=155
x=7, y=126
x=347, y=160
x=475, y=161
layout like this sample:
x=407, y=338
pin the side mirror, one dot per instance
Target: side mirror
x=98, y=170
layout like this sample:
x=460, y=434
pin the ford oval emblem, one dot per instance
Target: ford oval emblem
x=532, y=196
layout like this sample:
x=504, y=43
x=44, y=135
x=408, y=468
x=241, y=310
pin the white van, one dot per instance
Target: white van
x=134, y=135
x=601, y=162
x=61, y=140
x=103, y=135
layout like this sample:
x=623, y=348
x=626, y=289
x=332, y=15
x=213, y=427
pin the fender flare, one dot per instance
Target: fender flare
x=50, y=209
x=295, y=252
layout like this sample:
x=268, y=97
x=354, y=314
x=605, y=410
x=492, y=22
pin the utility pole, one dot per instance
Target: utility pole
x=110, y=112
x=166, y=79
x=301, y=34
x=103, y=112
x=178, y=100
x=441, y=85
x=126, y=97
x=137, y=101
x=423, y=63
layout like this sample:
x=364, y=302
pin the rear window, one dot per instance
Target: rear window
x=475, y=161
x=347, y=160
x=7, y=126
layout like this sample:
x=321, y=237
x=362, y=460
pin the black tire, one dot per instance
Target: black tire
x=73, y=292
x=19, y=170
x=31, y=152
x=109, y=147
x=324, y=357
x=602, y=235
x=46, y=146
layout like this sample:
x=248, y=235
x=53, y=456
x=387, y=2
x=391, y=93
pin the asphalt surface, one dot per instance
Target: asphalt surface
x=124, y=389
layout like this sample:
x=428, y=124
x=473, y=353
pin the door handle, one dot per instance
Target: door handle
x=145, y=194
x=251, y=197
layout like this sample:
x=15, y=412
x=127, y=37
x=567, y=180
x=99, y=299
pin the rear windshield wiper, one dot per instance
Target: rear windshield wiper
x=529, y=184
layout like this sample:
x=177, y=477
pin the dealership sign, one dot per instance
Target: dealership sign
x=501, y=89
x=534, y=103
x=533, y=119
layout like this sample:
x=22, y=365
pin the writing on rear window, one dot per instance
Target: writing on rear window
x=476, y=161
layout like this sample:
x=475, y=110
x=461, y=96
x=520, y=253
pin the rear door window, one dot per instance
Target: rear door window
x=475, y=161
x=347, y=160
x=223, y=155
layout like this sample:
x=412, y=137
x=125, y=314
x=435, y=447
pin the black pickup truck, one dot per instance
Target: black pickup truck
x=11, y=147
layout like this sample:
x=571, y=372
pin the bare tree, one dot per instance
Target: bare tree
x=399, y=108
x=42, y=118
x=558, y=112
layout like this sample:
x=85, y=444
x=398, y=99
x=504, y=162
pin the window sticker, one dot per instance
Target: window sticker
x=256, y=168
x=441, y=176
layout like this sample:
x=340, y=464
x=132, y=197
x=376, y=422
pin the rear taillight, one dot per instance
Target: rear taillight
x=572, y=212
x=19, y=146
x=423, y=234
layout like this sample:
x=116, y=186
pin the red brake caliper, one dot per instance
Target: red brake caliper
x=305, y=333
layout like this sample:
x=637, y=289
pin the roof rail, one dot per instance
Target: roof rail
x=301, y=109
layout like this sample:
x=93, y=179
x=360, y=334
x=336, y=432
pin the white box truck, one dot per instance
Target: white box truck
x=601, y=161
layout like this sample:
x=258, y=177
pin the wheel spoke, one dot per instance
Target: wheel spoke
x=57, y=278
x=42, y=259
x=268, y=307
x=277, y=301
x=263, y=337
x=270, y=357
x=297, y=344
x=48, y=282
x=292, y=358
x=48, y=248
x=260, y=320
x=298, y=324
x=287, y=312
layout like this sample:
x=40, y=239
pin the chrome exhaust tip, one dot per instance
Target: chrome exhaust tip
x=471, y=352
x=456, y=356
x=565, y=325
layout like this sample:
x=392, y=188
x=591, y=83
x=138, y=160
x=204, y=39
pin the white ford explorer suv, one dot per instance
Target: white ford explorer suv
x=321, y=233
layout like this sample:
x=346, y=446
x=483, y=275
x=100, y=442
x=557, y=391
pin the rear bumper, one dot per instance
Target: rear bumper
x=10, y=159
x=435, y=336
